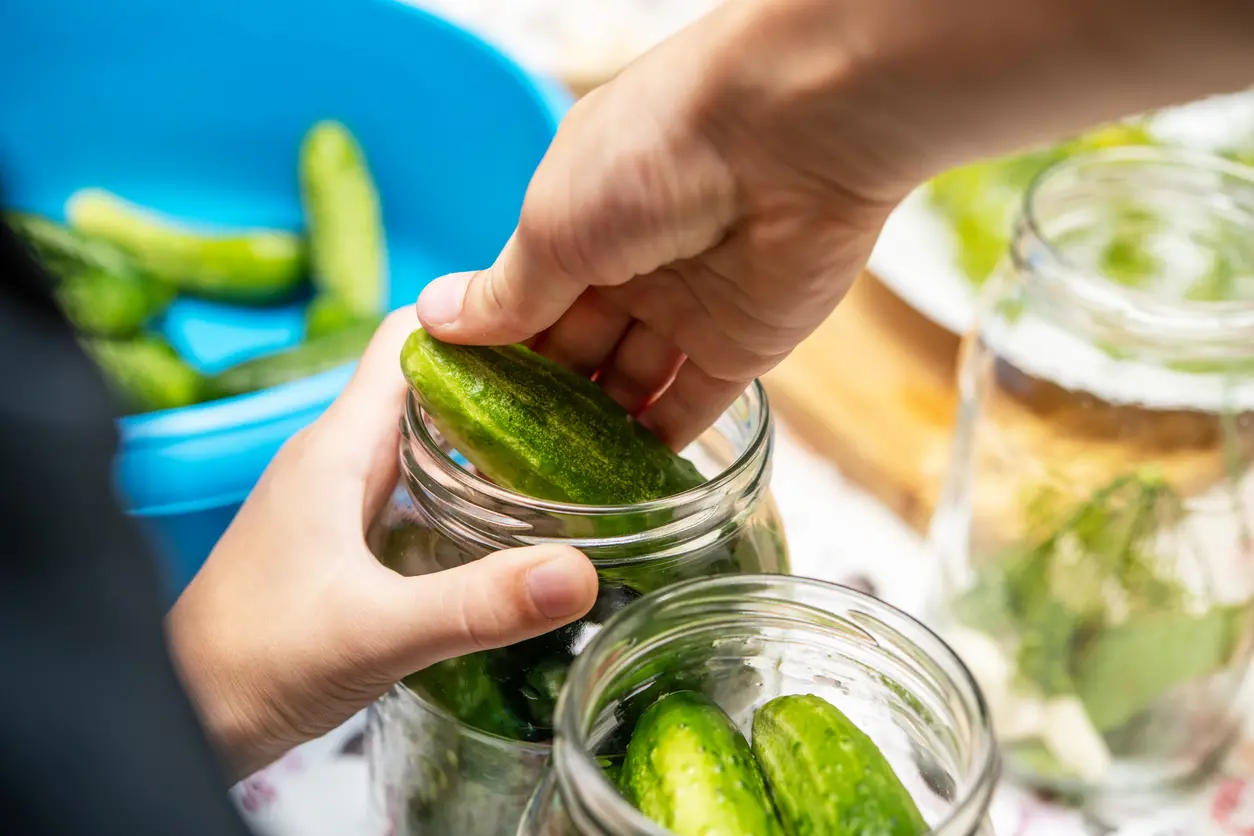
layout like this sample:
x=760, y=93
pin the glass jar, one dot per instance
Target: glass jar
x=458, y=748
x=1094, y=523
x=743, y=641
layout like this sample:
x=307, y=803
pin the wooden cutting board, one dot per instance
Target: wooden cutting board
x=873, y=390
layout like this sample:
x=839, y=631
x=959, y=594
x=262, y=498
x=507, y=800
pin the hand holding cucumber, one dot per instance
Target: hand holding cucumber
x=699, y=215
x=327, y=628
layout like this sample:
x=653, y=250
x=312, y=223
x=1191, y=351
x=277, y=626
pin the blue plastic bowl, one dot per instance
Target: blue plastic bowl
x=198, y=109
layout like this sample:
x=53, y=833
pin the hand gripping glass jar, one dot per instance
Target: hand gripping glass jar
x=1094, y=526
x=457, y=749
x=742, y=641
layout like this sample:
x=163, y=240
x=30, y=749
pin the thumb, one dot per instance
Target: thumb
x=502, y=599
x=512, y=301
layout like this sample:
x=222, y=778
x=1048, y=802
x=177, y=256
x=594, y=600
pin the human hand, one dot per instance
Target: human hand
x=292, y=625
x=702, y=213
x=646, y=254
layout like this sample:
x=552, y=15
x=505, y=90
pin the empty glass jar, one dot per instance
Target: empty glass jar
x=744, y=640
x=459, y=747
x=1094, y=525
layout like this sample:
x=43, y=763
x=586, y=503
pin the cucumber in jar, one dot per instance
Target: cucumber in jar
x=826, y=776
x=690, y=770
x=539, y=429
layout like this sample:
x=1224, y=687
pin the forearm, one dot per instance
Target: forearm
x=916, y=86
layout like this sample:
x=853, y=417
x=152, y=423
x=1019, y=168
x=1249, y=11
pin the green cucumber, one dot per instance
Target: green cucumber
x=690, y=770
x=326, y=315
x=612, y=768
x=464, y=688
x=146, y=373
x=97, y=285
x=64, y=251
x=248, y=267
x=826, y=776
x=538, y=428
x=346, y=243
x=529, y=675
x=309, y=358
x=111, y=304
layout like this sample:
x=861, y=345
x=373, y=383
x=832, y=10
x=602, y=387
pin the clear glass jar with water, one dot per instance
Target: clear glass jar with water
x=744, y=640
x=458, y=749
x=1094, y=526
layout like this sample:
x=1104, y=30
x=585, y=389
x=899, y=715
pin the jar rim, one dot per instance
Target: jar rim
x=760, y=414
x=977, y=785
x=1177, y=321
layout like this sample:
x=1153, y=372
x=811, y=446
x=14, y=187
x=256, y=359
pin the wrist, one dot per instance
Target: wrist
x=903, y=89
x=797, y=80
x=228, y=706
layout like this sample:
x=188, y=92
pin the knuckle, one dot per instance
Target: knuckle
x=481, y=626
x=544, y=234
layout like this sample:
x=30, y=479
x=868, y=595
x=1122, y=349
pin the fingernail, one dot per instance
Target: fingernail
x=440, y=302
x=557, y=588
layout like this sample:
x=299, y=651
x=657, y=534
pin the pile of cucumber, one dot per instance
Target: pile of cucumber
x=117, y=267
x=810, y=771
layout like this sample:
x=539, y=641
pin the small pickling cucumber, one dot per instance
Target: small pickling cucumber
x=690, y=770
x=612, y=768
x=533, y=671
x=113, y=305
x=98, y=286
x=825, y=776
x=347, y=250
x=464, y=687
x=336, y=349
x=528, y=675
x=146, y=373
x=245, y=266
x=63, y=251
x=538, y=428
x=327, y=314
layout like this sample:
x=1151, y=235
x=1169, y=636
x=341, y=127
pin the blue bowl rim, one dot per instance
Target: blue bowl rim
x=315, y=392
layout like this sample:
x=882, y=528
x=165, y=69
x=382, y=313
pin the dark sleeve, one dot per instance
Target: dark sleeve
x=96, y=734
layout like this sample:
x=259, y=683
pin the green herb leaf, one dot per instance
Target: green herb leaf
x=1124, y=669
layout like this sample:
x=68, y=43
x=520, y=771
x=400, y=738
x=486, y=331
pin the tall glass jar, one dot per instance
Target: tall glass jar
x=1094, y=525
x=743, y=641
x=458, y=748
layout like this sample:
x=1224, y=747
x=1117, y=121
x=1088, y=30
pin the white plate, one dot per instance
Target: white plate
x=915, y=258
x=915, y=254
